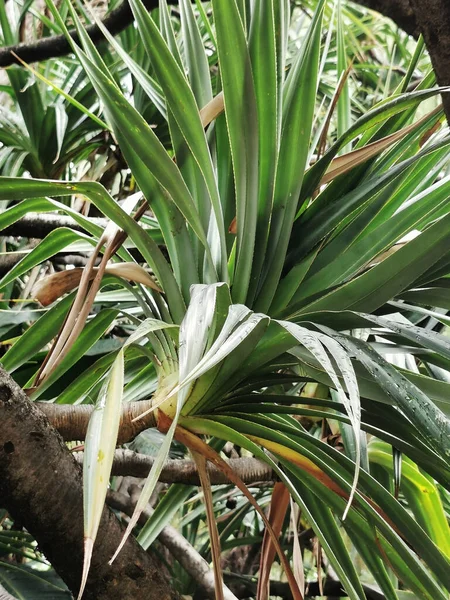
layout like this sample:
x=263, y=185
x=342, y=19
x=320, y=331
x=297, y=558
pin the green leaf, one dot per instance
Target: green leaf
x=390, y=277
x=25, y=582
x=195, y=55
x=80, y=389
x=182, y=104
x=163, y=514
x=421, y=493
x=90, y=334
x=37, y=336
x=57, y=240
x=299, y=96
x=241, y=116
x=133, y=128
x=423, y=414
x=268, y=89
x=316, y=344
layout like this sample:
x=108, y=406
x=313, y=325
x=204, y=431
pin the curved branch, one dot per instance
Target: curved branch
x=188, y=557
x=400, y=11
x=40, y=484
x=38, y=225
x=58, y=45
x=127, y=462
x=72, y=421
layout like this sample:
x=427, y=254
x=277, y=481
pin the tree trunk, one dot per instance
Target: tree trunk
x=400, y=11
x=41, y=487
x=434, y=19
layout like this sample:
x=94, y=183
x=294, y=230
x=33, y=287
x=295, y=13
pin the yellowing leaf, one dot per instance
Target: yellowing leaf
x=200, y=461
x=347, y=162
x=278, y=507
x=52, y=287
x=212, y=110
x=100, y=444
x=133, y=272
x=195, y=444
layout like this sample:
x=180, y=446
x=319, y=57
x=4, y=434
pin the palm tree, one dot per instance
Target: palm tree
x=302, y=290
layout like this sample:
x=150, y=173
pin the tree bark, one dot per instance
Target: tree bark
x=433, y=17
x=183, y=552
x=39, y=225
x=41, y=487
x=180, y=470
x=400, y=11
x=58, y=45
x=71, y=421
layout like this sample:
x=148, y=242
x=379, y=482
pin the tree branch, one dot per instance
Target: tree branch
x=40, y=484
x=10, y=260
x=400, y=11
x=127, y=462
x=58, y=45
x=331, y=589
x=433, y=17
x=72, y=421
x=188, y=557
x=39, y=225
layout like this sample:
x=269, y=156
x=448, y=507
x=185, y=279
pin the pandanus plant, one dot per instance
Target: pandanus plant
x=290, y=263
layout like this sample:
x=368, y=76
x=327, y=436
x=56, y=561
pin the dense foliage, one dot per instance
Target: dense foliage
x=274, y=276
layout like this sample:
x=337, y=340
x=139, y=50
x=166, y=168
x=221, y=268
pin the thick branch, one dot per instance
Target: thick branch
x=433, y=17
x=40, y=484
x=188, y=557
x=400, y=11
x=72, y=421
x=52, y=47
x=127, y=462
x=10, y=260
x=39, y=225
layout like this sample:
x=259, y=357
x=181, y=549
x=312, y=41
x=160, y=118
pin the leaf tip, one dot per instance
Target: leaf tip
x=88, y=547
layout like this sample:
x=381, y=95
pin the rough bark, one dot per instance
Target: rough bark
x=433, y=17
x=72, y=421
x=40, y=485
x=127, y=462
x=400, y=11
x=183, y=552
x=38, y=226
